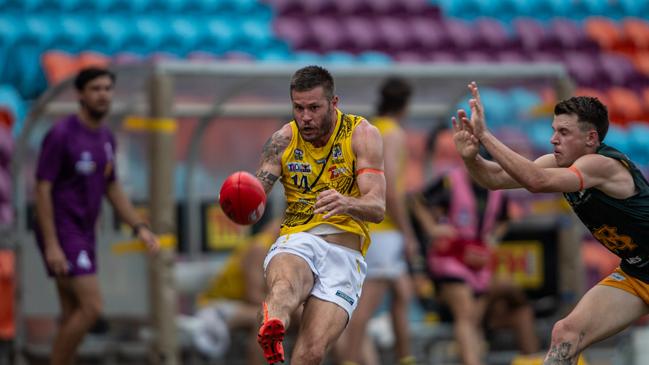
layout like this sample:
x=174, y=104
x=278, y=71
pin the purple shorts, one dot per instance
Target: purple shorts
x=79, y=250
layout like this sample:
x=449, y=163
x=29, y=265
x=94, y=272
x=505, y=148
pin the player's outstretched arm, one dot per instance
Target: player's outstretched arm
x=486, y=173
x=270, y=166
x=370, y=206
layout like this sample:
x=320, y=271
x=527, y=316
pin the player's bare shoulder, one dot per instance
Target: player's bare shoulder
x=365, y=133
x=276, y=144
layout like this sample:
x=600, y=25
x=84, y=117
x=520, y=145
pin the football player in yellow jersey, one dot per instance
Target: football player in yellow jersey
x=393, y=239
x=331, y=167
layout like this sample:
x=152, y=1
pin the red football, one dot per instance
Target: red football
x=242, y=198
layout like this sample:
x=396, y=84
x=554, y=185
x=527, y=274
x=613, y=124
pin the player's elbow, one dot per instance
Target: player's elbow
x=378, y=214
x=537, y=185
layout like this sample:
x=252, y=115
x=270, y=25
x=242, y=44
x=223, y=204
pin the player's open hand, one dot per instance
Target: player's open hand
x=150, y=239
x=466, y=142
x=477, y=121
x=331, y=202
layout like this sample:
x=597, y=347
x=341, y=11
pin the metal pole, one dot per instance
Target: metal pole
x=162, y=214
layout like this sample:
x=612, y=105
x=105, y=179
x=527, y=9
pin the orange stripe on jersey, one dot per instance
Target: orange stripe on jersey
x=578, y=173
x=368, y=170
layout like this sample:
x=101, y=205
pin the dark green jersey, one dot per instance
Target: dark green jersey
x=621, y=225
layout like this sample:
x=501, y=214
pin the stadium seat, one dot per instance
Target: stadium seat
x=92, y=59
x=461, y=34
x=288, y=7
x=220, y=34
x=394, y=34
x=74, y=35
x=113, y=33
x=374, y=58
x=584, y=70
x=444, y=57
x=126, y=58
x=524, y=101
x=149, y=34
x=511, y=57
x=428, y=34
x=275, y=56
x=466, y=9
x=339, y=58
x=492, y=35
x=307, y=57
x=294, y=31
x=605, y=32
x=641, y=62
x=618, y=138
x=619, y=69
x=362, y=34
x=533, y=36
x=636, y=30
x=584, y=91
x=183, y=36
x=58, y=66
x=633, y=7
x=570, y=35
x=330, y=37
x=408, y=57
x=638, y=133
x=624, y=105
x=257, y=36
x=477, y=57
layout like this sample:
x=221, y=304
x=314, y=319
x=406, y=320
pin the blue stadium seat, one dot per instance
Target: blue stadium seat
x=496, y=102
x=74, y=34
x=183, y=36
x=638, y=133
x=339, y=58
x=40, y=30
x=540, y=133
x=275, y=56
x=523, y=101
x=465, y=9
x=219, y=34
x=149, y=34
x=634, y=8
x=113, y=33
x=374, y=58
x=618, y=138
x=307, y=57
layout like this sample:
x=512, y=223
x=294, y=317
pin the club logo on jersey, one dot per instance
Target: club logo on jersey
x=83, y=261
x=617, y=276
x=299, y=167
x=337, y=152
x=298, y=154
x=85, y=166
x=335, y=171
x=615, y=242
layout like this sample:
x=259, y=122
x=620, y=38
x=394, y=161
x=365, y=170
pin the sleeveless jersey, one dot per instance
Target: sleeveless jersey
x=387, y=125
x=230, y=282
x=621, y=225
x=308, y=170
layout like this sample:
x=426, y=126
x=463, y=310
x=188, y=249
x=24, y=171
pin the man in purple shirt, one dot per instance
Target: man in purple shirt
x=76, y=168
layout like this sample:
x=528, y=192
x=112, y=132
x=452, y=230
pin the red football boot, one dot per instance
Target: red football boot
x=270, y=337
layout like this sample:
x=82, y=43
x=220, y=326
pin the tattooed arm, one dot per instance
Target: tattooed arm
x=270, y=167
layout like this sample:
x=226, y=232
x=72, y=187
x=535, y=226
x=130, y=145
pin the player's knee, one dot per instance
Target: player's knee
x=283, y=288
x=565, y=330
x=91, y=309
x=312, y=352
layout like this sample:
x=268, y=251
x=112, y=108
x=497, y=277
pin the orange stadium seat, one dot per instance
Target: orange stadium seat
x=624, y=105
x=58, y=66
x=585, y=91
x=637, y=32
x=606, y=33
x=644, y=96
x=87, y=59
x=641, y=61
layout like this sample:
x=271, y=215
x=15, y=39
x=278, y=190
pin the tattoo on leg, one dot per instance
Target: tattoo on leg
x=267, y=179
x=561, y=354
